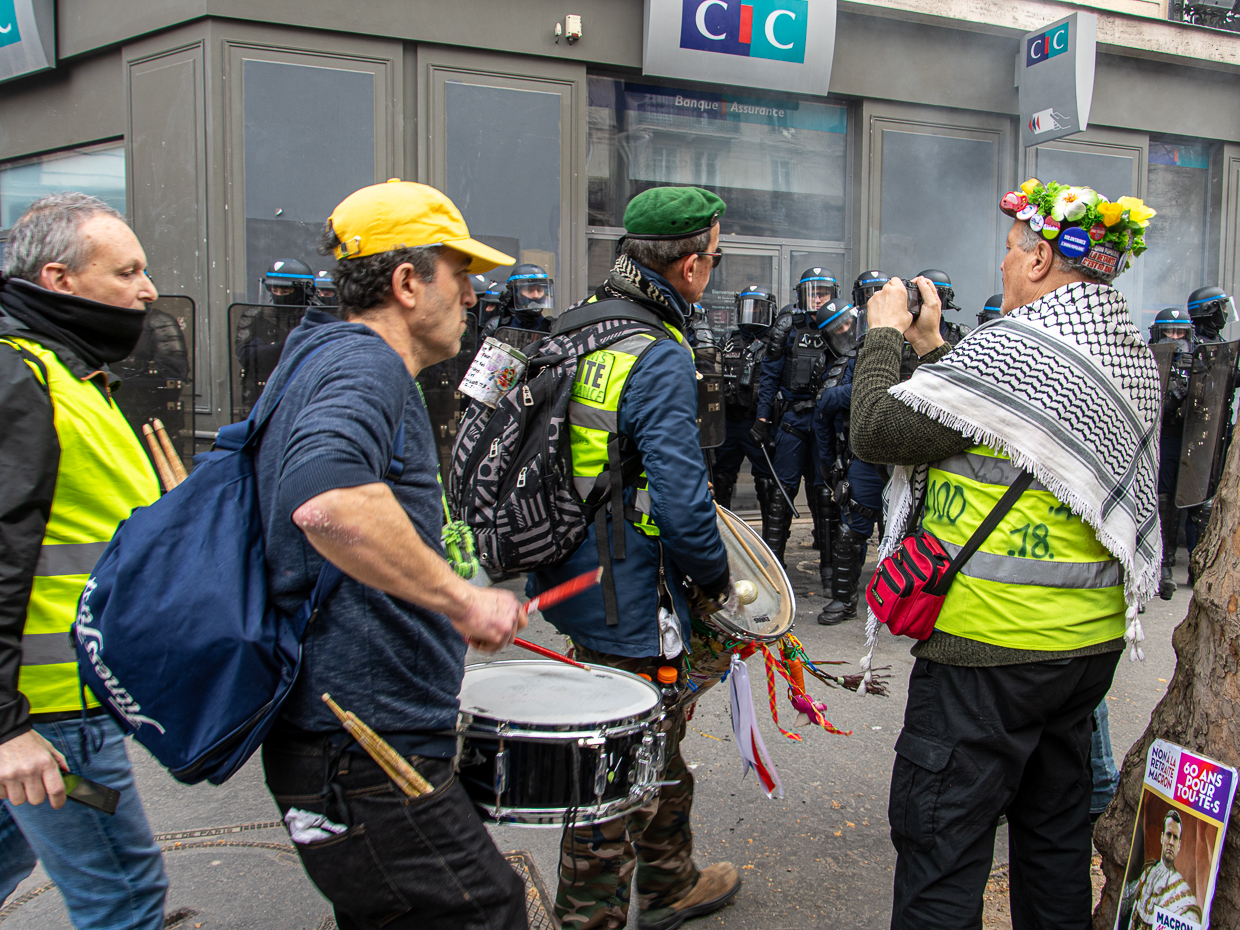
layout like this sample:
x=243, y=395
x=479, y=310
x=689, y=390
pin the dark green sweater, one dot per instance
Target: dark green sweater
x=884, y=429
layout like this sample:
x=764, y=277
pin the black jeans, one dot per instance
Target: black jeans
x=424, y=863
x=980, y=742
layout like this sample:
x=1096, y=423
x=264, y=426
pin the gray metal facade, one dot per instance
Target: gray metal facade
x=170, y=80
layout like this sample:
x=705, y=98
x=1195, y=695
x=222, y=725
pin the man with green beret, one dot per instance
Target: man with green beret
x=655, y=529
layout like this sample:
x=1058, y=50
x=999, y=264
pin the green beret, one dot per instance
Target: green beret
x=672, y=213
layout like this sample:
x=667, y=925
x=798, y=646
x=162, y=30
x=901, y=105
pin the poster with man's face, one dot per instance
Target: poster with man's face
x=1177, y=841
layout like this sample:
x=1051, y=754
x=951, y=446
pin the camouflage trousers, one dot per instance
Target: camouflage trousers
x=597, y=861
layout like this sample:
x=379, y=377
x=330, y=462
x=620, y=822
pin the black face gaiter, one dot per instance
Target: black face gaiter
x=99, y=334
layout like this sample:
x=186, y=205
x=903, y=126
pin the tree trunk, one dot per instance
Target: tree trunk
x=1201, y=710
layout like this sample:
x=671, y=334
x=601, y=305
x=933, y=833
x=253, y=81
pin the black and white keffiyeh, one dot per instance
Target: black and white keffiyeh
x=1066, y=388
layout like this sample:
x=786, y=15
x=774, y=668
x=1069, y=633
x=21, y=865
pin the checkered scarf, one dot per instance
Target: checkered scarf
x=1067, y=389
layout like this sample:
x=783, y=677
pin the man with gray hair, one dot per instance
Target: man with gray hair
x=73, y=297
x=1053, y=410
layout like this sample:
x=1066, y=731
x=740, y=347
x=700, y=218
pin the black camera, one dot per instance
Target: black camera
x=914, y=299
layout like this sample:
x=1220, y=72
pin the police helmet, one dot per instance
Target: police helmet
x=991, y=310
x=479, y=282
x=289, y=282
x=529, y=290
x=837, y=321
x=868, y=284
x=1207, y=307
x=491, y=298
x=816, y=287
x=755, y=309
x=325, y=289
x=942, y=284
x=1172, y=324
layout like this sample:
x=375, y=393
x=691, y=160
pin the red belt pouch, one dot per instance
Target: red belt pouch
x=907, y=591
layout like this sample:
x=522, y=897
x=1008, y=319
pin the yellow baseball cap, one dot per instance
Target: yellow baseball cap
x=404, y=215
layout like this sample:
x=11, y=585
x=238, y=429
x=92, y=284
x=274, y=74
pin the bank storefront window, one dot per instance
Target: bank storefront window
x=780, y=164
x=309, y=143
x=502, y=170
x=1177, y=262
x=98, y=170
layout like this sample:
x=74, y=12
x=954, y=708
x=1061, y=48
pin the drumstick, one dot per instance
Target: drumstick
x=161, y=462
x=563, y=592
x=761, y=563
x=548, y=653
x=392, y=762
x=178, y=469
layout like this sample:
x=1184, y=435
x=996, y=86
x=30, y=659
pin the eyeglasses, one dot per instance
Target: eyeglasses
x=715, y=257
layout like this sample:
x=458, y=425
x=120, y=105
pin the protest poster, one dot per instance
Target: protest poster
x=1177, y=841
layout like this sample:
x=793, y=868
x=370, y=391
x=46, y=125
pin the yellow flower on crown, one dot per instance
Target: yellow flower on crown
x=1138, y=212
x=1030, y=186
x=1111, y=212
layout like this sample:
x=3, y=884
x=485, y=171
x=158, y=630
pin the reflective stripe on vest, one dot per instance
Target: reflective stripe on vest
x=102, y=475
x=593, y=417
x=1042, y=580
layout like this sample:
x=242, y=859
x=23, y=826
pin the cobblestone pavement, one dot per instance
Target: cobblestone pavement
x=821, y=857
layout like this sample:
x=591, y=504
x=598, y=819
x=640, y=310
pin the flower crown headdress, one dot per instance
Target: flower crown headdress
x=1082, y=224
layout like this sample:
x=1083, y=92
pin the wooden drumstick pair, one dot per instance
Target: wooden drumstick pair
x=167, y=462
x=397, y=766
x=761, y=563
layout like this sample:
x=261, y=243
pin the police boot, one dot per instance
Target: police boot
x=775, y=531
x=845, y=553
x=724, y=486
x=825, y=517
x=1169, y=517
x=816, y=537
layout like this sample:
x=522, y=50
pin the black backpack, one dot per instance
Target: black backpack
x=512, y=471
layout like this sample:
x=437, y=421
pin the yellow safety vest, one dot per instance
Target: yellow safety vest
x=1042, y=580
x=102, y=475
x=593, y=418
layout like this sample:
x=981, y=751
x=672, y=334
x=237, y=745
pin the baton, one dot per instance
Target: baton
x=766, y=455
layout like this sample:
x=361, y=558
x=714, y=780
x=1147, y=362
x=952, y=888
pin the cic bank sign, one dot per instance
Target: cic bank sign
x=768, y=44
x=27, y=37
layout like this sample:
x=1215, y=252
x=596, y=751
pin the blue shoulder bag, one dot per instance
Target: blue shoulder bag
x=175, y=633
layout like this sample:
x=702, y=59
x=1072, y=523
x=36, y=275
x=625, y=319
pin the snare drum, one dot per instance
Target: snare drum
x=543, y=743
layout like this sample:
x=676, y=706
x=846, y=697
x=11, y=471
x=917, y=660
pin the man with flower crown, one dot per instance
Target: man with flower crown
x=1060, y=394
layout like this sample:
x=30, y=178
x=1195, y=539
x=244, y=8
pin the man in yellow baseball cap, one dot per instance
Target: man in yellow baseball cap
x=389, y=644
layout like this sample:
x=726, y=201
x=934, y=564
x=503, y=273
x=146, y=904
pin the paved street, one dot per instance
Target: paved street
x=821, y=857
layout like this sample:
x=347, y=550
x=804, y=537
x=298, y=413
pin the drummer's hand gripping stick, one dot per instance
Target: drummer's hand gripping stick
x=392, y=762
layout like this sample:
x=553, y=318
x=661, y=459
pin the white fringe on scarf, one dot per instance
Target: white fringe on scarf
x=1080, y=338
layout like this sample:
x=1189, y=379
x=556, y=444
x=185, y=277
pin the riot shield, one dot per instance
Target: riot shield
x=1164, y=355
x=444, y=402
x=1207, y=414
x=256, y=334
x=157, y=380
x=712, y=426
x=517, y=338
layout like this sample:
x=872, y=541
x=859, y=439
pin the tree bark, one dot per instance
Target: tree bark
x=1201, y=709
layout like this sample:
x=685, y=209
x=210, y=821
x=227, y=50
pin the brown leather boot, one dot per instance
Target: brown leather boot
x=716, y=886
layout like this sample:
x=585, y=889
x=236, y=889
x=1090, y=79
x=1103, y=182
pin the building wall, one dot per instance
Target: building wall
x=166, y=78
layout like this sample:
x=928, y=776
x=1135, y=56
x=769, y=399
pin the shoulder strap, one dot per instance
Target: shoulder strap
x=1006, y=502
x=602, y=311
x=32, y=360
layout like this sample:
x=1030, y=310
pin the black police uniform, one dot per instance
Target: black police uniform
x=740, y=356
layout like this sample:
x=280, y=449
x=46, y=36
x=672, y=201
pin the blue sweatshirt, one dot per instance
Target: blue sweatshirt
x=394, y=664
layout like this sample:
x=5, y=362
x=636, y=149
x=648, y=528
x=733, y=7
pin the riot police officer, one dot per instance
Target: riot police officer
x=951, y=332
x=289, y=282
x=527, y=294
x=852, y=490
x=325, y=290
x=1207, y=307
x=795, y=362
x=991, y=310
x=261, y=330
x=1174, y=326
x=741, y=355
